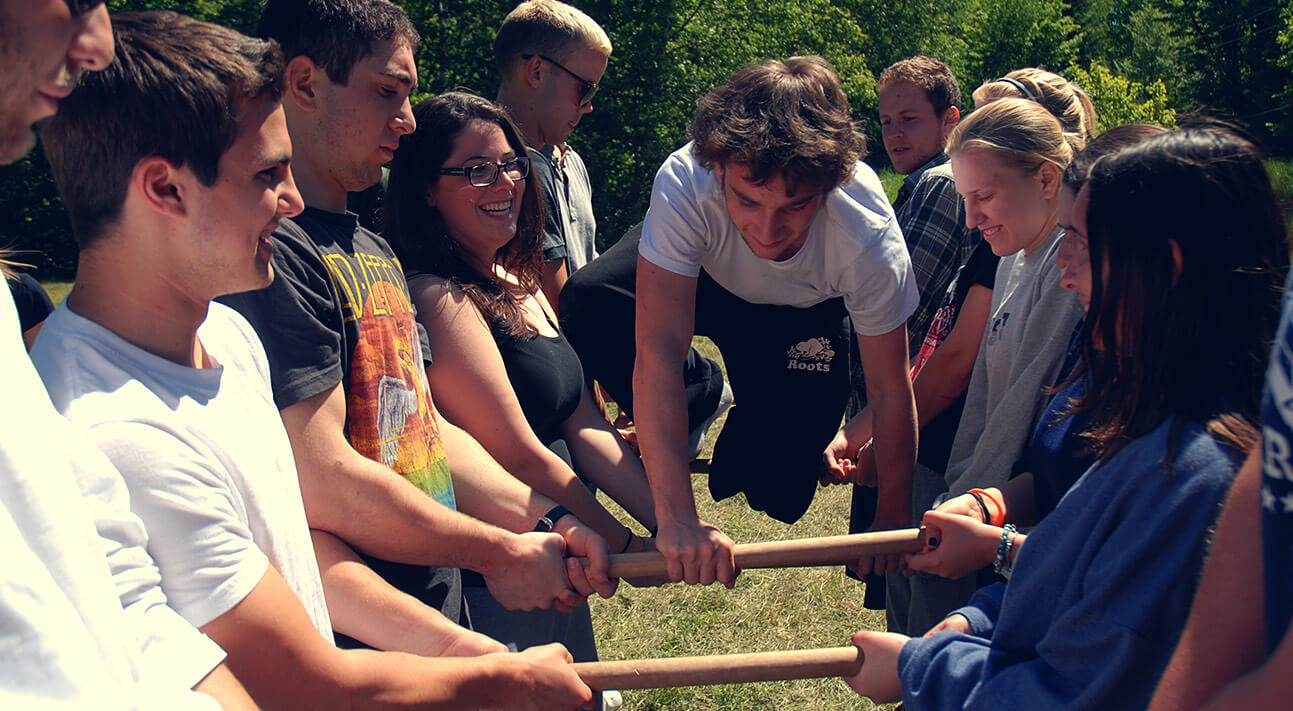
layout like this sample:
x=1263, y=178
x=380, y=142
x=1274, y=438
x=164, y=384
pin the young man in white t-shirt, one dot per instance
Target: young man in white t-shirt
x=83, y=620
x=191, y=178
x=770, y=235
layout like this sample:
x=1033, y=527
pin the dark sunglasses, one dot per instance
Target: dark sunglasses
x=483, y=175
x=80, y=7
x=589, y=89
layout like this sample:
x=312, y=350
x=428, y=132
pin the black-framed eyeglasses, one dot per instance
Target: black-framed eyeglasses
x=80, y=7
x=483, y=175
x=589, y=89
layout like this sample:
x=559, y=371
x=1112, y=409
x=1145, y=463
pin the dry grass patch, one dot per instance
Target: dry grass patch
x=769, y=610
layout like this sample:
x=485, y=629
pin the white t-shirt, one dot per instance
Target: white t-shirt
x=203, y=451
x=854, y=249
x=65, y=640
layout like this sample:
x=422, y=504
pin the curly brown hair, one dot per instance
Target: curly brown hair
x=780, y=118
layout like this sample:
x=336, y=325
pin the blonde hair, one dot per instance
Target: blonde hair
x=1020, y=132
x=1065, y=100
x=549, y=28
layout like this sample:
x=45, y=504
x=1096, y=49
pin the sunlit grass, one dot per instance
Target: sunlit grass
x=769, y=610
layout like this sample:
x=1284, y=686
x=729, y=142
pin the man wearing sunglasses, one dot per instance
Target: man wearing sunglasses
x=549, y=81
x=83, y=621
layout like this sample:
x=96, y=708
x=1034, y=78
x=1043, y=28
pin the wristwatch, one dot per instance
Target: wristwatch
x=548, y=521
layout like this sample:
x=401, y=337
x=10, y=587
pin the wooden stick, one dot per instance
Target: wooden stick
x=720, y=669
x=804, y=552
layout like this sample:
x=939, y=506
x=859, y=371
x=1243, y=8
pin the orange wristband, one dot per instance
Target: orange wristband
x=999, y=517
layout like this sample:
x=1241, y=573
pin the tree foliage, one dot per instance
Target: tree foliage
x=1141, y=60
x=1119, y=100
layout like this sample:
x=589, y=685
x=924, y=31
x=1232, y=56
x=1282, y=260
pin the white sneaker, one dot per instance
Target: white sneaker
x=612, y=700
x=696, y=438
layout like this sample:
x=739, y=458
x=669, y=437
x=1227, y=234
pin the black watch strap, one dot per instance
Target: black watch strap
x=549, y=520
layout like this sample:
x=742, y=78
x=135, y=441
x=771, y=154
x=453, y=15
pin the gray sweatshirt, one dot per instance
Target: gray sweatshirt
x=1021, y=353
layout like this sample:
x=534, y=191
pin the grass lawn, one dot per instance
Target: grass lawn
x=57, y=290
x=769, y=610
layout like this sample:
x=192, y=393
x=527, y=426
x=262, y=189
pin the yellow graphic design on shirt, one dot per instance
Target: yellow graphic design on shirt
x=388, y=406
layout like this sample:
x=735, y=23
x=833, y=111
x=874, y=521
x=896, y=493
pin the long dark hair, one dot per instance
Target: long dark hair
x=417, y=231
x=1190, y=345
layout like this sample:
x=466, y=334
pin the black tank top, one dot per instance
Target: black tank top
x=547, y=378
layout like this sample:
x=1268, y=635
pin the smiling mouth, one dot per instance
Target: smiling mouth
x=497, y=209
x=991, y=231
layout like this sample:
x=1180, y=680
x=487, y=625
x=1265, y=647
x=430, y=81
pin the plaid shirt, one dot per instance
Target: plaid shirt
x=932, y=217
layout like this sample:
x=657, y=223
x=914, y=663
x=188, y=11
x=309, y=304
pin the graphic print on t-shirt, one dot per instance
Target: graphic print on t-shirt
x=812, y=354
x=388, y=405
x=1277, y=479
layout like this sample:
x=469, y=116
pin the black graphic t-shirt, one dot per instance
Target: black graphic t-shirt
x=1277, y=479
x=338, y=311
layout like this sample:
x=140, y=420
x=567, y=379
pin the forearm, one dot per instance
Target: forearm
x=895, y=451
x=943, y=379
x=222, y=686
x=364, y=606
x=376, y=511
x=487, y=492
x=661, y=416
x=859, y=430
x=1020, y=500
x=540, y=470
x=605, y=459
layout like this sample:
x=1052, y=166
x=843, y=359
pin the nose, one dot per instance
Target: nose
x=973, y=215
x=92, y=46
x=767, y=225
x=403, y=123
x=290, y=202
x=586, y=108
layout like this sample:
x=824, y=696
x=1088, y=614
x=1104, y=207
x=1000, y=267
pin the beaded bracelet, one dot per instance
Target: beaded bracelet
x=1002, y=565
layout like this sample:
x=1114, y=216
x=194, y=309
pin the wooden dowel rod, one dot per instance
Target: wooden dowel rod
x=720, y=669
x=804, y=552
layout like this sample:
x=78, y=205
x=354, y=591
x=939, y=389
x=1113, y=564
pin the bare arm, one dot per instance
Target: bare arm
x=946, y=375
x=943, y=379
x=473, y=390
x=553, y=279
x=364, y=606
x=485, y=490
x=379, y=512
x=222, y=686
x=1225, y=634
x=884, y=360
x=606, y=459
x=286, y=664
x=696, y=552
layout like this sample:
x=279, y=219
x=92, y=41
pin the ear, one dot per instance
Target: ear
x=532, y=71
x=429, y=194
x=161, y=186
x=1049, y=174
x=301, y=78
x=951, y=117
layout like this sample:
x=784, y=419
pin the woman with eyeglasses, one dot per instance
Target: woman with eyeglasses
x=466, y=222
